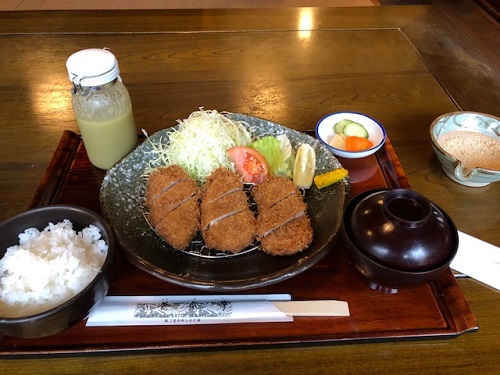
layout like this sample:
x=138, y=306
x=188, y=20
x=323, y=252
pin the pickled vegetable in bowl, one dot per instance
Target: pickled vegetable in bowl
x=351, y=135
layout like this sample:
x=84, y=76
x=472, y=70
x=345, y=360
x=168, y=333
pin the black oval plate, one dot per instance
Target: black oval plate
x=121, y=203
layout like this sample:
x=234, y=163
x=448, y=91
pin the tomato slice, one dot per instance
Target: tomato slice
x=249, y=163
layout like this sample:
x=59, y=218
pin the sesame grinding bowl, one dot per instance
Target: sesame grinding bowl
x=467, y=145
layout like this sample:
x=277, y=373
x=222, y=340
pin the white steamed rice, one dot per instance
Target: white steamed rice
x=48, y=268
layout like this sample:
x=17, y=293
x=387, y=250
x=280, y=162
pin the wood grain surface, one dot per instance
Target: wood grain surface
x=403, y=66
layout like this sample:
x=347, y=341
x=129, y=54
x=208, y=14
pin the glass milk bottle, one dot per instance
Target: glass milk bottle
x=102, y=106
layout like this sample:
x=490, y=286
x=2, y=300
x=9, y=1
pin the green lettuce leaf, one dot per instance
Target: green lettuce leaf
x=278, y=152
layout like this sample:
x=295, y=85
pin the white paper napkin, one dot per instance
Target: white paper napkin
x=478, y=259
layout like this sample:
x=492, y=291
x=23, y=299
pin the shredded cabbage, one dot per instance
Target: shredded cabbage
x=200, y=142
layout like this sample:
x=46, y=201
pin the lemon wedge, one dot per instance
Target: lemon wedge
x=305, y=166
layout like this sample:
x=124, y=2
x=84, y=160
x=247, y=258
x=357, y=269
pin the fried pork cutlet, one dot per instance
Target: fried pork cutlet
x=218, y=209
x=232, y=234
x=174, y=211
x=275, y=189
x=172, y=198
x=227, y=222
x=283, y=226
x=163, y=179
x=179, y=226
x=276, y=216
x=220, y=183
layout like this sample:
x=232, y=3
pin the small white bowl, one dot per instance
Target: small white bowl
x=376, y=133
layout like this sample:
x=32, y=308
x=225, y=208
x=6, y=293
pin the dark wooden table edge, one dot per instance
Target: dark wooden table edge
x=217, y=346
x=450, y=56
x=228, y=20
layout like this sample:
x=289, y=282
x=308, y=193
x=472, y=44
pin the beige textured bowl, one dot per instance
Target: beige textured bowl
x=467, y=145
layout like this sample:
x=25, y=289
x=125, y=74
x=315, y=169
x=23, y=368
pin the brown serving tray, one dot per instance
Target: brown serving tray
x=435, y=310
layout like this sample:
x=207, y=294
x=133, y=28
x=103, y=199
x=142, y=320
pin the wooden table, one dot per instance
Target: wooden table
x=403, y=66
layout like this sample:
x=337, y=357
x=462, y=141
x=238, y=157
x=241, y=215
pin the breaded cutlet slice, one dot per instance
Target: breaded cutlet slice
x=221, y=182
x=290, y=239
x=273, y=190
x=228, y=224
x=170, y=199
x=283, y=226
x=232, y=234
x=179, y=226
x=162, y=179
x=276, y=216
x=227, y=205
